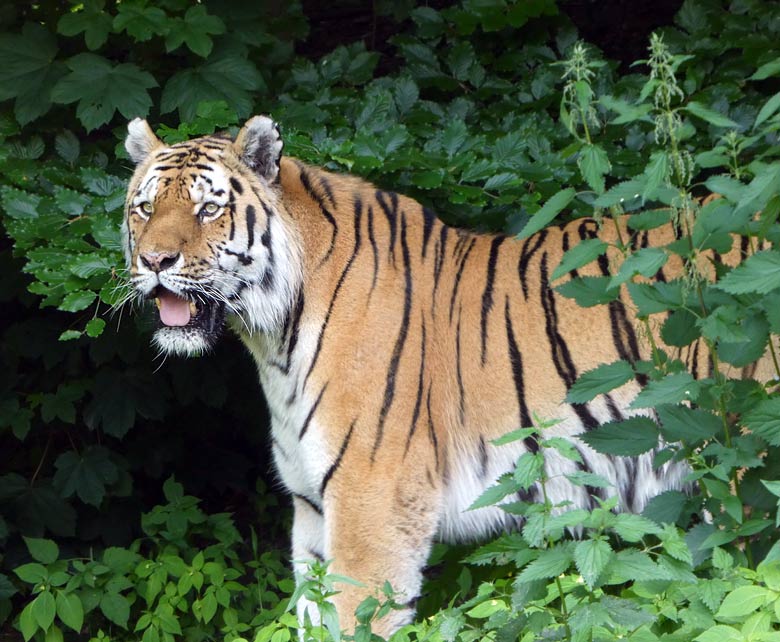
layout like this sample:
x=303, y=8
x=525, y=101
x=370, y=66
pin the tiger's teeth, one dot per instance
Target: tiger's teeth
x=158, y=303
x=193, y=308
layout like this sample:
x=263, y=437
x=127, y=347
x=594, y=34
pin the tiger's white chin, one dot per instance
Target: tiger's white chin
x=182, y=341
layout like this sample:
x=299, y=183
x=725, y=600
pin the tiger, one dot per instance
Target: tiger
x=392, y=348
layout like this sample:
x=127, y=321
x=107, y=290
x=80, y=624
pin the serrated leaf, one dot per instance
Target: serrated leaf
x=768, y=109
x=226, y=75
x=20, y=204
x=582, y=478
x=711, y=116
x=67, y=146
x=681, y=423
x=550, y=563
x=70, y=610
x=592, y=557
x=195, y=30
x=69, y=335
x=588, y=291
x=666, y=507
x=720, y=633
x=44, y=551
x=77, y=301
x=771, y=68
x=759, y=273
x=581, y=254
x=645, y=262
x=627, y=438
x=594, y=164
x=529, y=469
x=548, y=212
x=601, y=379
x=632, y=528
x=506, y=485
x=627, y=113
x=672, y=389
x=28, y=70
x=764, y=420
x=95, y=327
x=91, y=20
x=140, y=21
x=743, y=601
x=101, y=88
x=85, y=474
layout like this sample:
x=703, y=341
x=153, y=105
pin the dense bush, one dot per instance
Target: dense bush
x=498, y=117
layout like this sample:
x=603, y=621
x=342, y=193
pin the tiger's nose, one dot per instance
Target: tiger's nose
x=159, y=261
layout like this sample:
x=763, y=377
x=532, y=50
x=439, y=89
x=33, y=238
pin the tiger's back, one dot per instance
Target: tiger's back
x=397, y=350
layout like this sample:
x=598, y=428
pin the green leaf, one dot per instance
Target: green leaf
x=634, y=565
x=759, y=273
x=44, y=609
x=453, y=137
x=652, y=298
x=711, y=116
x=627, y=438
x=85, y=474
x=101, y=88
x=44, y=551
x=91, y=20
x=666, y=507
x=32, y=573
x=592, y=557
x=582, y=478
x=720, y=633
x=771, y=68
x=588, y=291
x=601, y=379
x=195, y=29
x=548, y=212
x=514, y=435
x=768, y=109
x=645, y=262
x=672, y=389
x=681, y=423
x=674, y=544
x=529, y=469
x=632, y=528
x=594, y=164
x=69, y=335
x=70, y=610
x=743, y=601
x=54, y=634
x=550, y=563
x=116, y=608
x=627, y=113
x=28, y=71
x=19, y=204
x=227, y=75
x=625, y=191
x=67, y=146
x=27, y=622
x=140, y=21
x=764, y=420
x=95, y=327
x=77, y=301
x=506, y=485
x=581, y=254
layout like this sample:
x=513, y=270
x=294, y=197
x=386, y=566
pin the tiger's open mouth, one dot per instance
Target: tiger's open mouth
x=201, y=313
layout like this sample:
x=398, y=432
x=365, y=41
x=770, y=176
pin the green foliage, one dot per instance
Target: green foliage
x=495, y=116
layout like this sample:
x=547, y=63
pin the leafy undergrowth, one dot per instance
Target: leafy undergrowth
x=497, y=117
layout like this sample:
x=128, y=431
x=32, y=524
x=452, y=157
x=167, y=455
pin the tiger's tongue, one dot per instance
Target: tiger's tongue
x=173, y=309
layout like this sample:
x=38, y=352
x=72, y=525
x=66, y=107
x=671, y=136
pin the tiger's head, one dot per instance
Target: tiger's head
x=206, y=235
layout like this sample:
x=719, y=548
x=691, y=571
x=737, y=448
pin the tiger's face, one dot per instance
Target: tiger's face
x=204, y=236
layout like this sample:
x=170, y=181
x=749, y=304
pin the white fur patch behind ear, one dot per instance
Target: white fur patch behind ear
x=259, y=145
x=140, y=140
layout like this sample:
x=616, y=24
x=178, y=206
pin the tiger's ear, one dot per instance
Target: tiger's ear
x=259, y=145
x=140, y=141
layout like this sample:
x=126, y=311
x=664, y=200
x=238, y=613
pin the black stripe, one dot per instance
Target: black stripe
x=483, y=457
x=308, y=502
x=294, y=329
x=459, y=372
x=530, y=248
x=516, y=362
x=395, y=359
x=428, y=219
x=339, y=457
x=559, y=350
x=325, y=184
x=432, y=429
x=312, y=410
x=250, y=226
x=487, y=294
x=391, y=211
x=459, y=274
x=374, y=248
x=306, y=182
x=418, y=401
x=441, y=248
x=336, y=291
x=236, y=185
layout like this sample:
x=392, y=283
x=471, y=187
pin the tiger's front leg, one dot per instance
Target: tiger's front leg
x=379, y=528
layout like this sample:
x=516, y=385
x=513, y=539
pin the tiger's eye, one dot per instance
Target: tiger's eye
x=211, y=208
x=146, y=207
